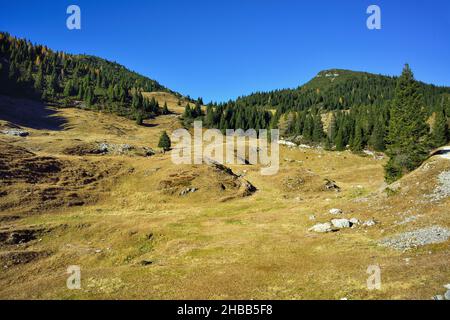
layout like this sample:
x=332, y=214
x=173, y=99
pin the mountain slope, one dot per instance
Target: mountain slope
x=35, y=71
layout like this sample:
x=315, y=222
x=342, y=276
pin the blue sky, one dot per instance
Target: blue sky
x=220, y=49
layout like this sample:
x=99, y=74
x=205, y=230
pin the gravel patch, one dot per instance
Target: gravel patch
x=443, y=190
x=417, y=238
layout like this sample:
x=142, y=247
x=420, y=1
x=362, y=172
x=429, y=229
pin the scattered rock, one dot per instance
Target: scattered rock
x=341, y=223
x=408, y=220
x=331, y=185
x=322, y=228
x=336, y=211
x=19, y=236
x=10, y=259
x=188, y=191
x=312, y=217
x=15, y=133
x=148, y=152
x=417, y=238
x=246, y=189
x=369, y=223
x=438, y=297
x=287, y=143
x=146, y=263
x=355, y=222
x=447, y=295
x=119, y=149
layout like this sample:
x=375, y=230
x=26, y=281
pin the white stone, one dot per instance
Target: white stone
x=341, y=223
x=335, y=211
x=322, y=228
x=369, y=223
x=447, y=295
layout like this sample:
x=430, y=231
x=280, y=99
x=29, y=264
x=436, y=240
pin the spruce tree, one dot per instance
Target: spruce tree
x=197, y=110
x=440, y=130
x=68, y=89
x=408, y=130
x=378, y=136
x=164, y=142
x=308, y=128
x=187, y=112
x=317, y=134
x=165, y=110
x=39, y=81
x=339, y=141
x=209, y=116
x=139, y=118
x=357, y=142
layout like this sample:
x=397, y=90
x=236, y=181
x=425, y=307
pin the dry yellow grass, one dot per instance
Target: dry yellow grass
x=256, y=247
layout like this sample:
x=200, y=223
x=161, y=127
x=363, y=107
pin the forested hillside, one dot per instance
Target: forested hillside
x=35, y=71
x=338, y=90
x=355, y=106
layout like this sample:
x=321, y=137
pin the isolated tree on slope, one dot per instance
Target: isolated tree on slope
x=164, y=142
x=408, y=130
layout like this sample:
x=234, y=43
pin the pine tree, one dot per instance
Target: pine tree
x=187, y=112
x=164, y=142
x=68, y=89
x=328, y=145
x=378, y=136
x=339, y=141
x=317, y=134
x=440, y=130
x=139, y=118
x=209, y=116
x=308, y=128
x=408, y=130
x=89, y=97
x=39, y=81
x=357, y=142
x=165, y=110
x=13, y=72
x=197, y=110
x=52, y=85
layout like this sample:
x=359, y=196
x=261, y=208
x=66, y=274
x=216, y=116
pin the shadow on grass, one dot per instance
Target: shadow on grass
x=30, y=113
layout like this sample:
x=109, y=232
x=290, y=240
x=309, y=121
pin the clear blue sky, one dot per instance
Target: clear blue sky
x=220, y=49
